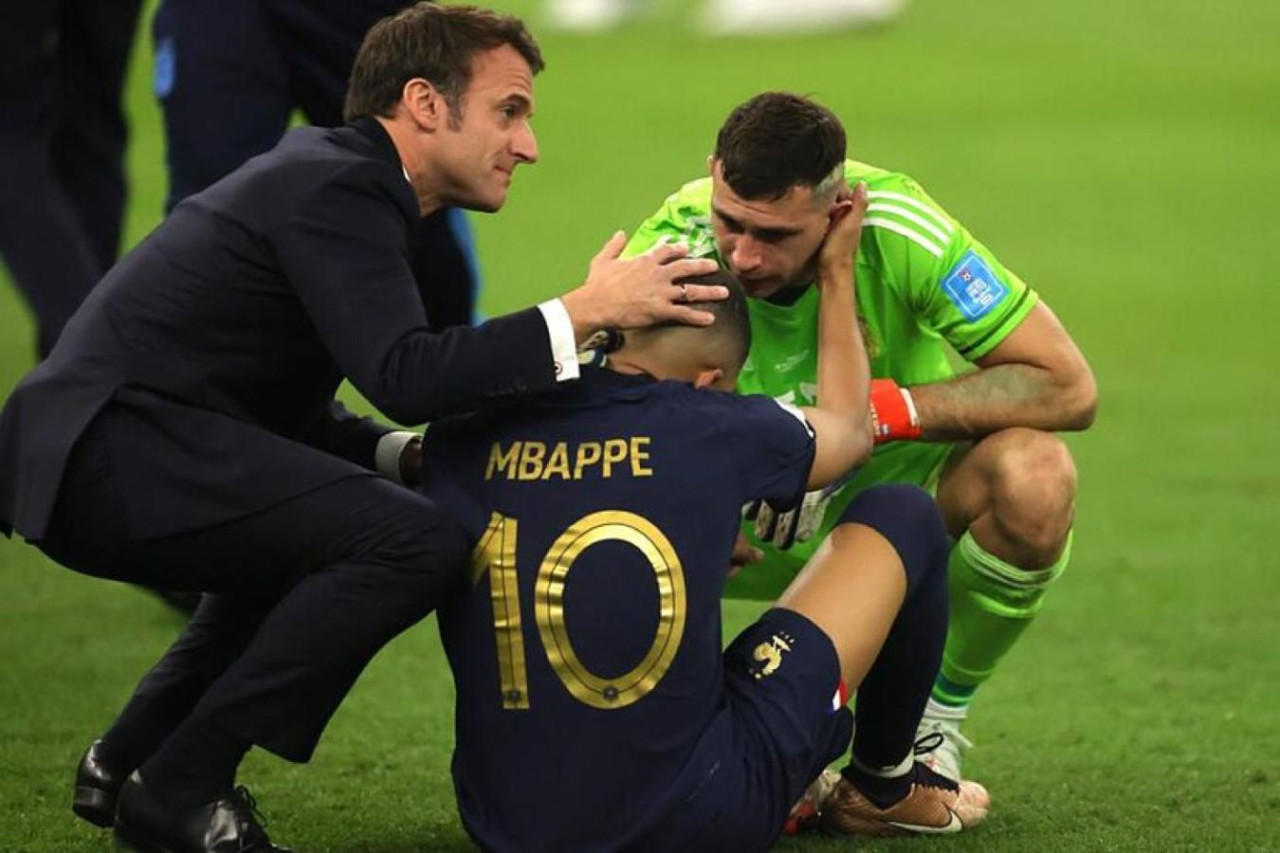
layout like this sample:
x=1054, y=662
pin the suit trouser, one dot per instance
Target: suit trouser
x=230, y=73
x=304, y=592
x=62, y=142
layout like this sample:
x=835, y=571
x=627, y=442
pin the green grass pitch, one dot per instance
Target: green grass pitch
x=1123, y=158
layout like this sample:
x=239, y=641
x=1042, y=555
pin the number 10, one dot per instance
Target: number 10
x=496, y=554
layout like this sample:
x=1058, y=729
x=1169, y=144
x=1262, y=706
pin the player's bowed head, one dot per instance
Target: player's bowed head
x=705, y=356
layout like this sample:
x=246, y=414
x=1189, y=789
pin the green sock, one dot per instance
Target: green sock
x=992, y=603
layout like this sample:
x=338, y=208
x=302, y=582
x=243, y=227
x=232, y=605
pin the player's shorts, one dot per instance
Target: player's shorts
x=774, y=734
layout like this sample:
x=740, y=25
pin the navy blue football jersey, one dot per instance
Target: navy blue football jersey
x=586, y=646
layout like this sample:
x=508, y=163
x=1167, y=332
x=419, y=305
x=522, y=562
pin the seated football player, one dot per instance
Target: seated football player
x=595, y=708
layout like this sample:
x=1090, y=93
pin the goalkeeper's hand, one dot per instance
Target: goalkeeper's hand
x=799, y=524
x=893, y=412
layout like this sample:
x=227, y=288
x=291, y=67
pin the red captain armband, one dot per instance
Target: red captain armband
x=893, y=412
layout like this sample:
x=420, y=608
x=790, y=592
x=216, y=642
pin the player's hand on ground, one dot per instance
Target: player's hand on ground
x=636, y=292
x=840, y=247
x=744, y=554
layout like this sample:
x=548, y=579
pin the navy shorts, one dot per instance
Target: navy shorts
x=774, y=735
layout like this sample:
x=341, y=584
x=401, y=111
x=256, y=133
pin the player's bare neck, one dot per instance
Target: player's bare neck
x=627, y=367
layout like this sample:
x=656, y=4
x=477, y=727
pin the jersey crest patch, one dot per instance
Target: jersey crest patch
x=768, y=656
x=973, y=287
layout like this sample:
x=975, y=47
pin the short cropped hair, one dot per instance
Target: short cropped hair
x=435, y=42
x=777, y=141
x=733, y=321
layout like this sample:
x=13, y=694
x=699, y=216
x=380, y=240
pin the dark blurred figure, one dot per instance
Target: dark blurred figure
x=62, y=143
x=230, y=73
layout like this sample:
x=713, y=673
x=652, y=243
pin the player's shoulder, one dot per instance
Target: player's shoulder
x=729, y=410
x=900, y=211
x=685, y=216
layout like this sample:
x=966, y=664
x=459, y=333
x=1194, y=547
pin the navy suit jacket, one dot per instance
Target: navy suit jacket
x=222, y=338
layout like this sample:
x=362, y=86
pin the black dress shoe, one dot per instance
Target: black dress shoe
x=97, y=786
x=230, y=824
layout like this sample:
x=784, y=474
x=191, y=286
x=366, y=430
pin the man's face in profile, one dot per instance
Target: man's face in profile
x=489, y=135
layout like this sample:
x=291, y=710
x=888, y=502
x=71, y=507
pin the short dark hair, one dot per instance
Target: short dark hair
x=733, y=321
x=435, y=42
x=777, y=141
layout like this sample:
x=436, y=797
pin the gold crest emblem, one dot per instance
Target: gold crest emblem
x=770, y=655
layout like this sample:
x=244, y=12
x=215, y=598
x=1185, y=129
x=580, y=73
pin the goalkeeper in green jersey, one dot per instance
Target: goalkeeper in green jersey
x=982, y=439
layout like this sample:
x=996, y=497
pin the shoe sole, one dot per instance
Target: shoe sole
x=94, y=805
x=127, y=839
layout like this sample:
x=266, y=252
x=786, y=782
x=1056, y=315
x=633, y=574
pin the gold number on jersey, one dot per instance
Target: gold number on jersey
x=496, y=552
x=548, y=609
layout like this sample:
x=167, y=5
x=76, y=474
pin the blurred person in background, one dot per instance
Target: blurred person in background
x=983, y=440
x=62, y=147
x=732, y=17
x=230, y=74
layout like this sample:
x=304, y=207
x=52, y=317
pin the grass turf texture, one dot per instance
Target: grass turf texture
x=1121, y=157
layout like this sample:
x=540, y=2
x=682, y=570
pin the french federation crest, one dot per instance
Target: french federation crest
x=768, y=656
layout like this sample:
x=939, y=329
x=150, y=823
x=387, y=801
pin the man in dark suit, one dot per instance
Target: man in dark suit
x=184, y=434
x=229, y=76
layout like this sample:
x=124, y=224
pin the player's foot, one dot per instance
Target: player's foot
x=769, y=17
x=806, y=811
x=939, y=743
x=933, y=805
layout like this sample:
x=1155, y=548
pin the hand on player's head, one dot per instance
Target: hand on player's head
x=706, y=356
x=637, y=292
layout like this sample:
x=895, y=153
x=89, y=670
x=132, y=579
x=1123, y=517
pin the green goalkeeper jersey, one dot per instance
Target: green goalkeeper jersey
x=923, y=283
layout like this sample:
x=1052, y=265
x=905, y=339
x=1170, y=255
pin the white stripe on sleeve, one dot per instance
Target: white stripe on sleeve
x=910, y=233
x=942, y=221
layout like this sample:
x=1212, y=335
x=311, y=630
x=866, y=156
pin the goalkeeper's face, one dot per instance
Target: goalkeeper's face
x=769, y=244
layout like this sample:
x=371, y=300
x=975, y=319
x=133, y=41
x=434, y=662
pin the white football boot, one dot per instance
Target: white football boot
x=939, y=743
x=806, y=812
